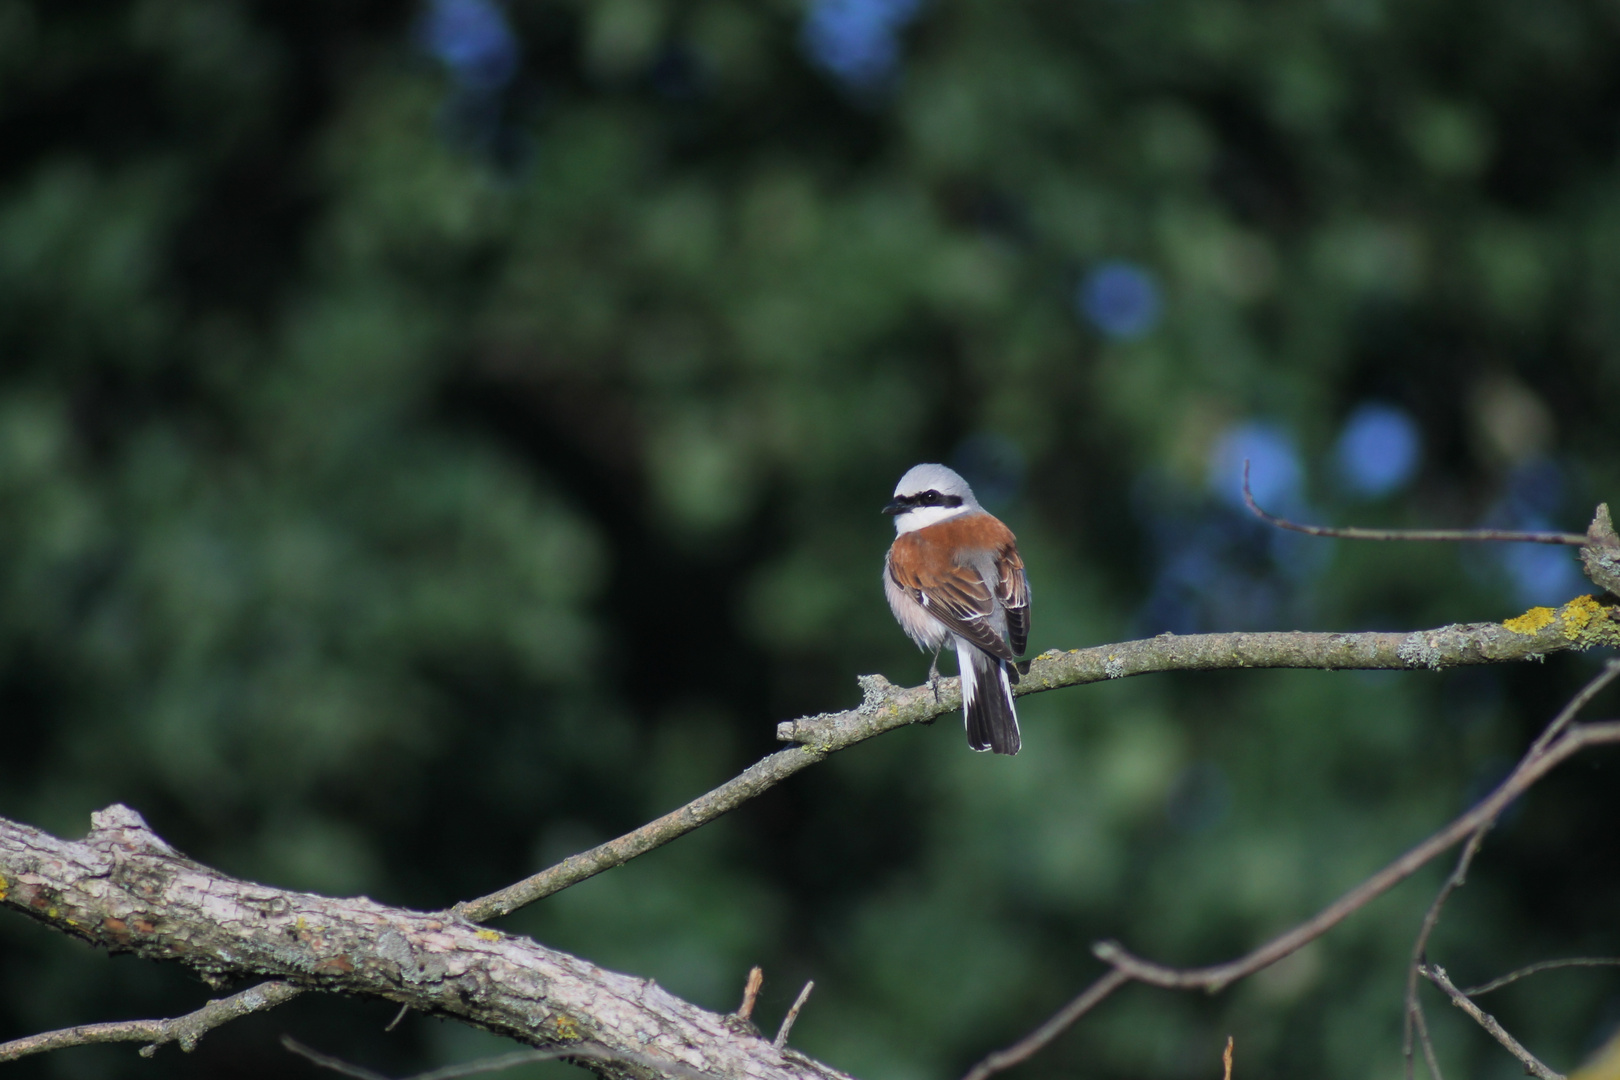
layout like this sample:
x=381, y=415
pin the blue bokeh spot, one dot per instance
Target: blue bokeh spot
x=1379, y=451
x=1542, y=574
x=1121, y=299
x=1219, y=567
x=1535, y=489
x=1276, y=475
x=473, y=39
x=858, y=41
x=1532, y=498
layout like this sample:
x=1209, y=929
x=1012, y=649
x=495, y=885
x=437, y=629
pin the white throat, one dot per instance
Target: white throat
x=920, y=517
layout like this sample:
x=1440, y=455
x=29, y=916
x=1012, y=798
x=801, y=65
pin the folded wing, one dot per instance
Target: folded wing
x=959, y=597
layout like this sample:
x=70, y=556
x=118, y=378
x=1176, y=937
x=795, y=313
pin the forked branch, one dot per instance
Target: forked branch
x=1542, y=757
x=111, y=889
x=1580, y=624
x=1415, y=1024
x=1532, y=1065
x=186, y=1030
x=124, y=889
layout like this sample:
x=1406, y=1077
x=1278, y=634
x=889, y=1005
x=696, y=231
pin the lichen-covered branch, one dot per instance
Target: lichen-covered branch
x=123, y=888
x=1580, y=624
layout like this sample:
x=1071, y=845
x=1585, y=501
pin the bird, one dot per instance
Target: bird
x=953, y=575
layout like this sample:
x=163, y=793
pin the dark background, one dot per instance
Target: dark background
x=434, y=439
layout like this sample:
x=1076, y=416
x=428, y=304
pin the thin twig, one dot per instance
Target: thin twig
x=1226, y=1060
x=394, y=1023
x=1219, y=976
x=495, y=1064
x=1060, y=1021
x=1429, y=1058
x=1536, y=763
x=1413, y=1009
x=756, y=979
x=1582, y=698
x=327, y=1061
x=1449, y=535
x=888, y=707
x=792, y=1015
x=1545, y=965
x=1529, y=770
x=1532, y=1065
x=187, y=1030
x=752, y=782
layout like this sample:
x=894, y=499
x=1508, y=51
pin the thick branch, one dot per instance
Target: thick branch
x=125, y=889
x=1580, y=624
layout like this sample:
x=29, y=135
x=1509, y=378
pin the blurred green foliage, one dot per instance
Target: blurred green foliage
x=406, y=480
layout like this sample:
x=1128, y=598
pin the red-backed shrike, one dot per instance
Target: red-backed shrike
x=953, y=574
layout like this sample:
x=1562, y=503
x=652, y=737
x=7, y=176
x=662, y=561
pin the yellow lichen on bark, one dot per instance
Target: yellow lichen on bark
x=1578, y=615
x=1584, y=621
x=1532, y=621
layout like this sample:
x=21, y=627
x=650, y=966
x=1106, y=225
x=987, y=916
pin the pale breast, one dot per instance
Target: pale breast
x=928, y=632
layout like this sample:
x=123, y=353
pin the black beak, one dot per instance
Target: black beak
x=896, y=507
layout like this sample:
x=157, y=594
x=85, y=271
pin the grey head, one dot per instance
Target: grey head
x=929, y=494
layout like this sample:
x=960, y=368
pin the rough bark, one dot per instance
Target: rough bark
x=1601, y=555
x=123, y=888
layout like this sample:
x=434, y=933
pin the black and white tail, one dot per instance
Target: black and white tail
x=987, y=700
